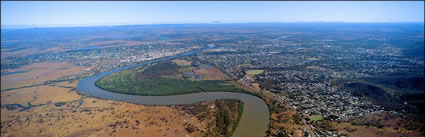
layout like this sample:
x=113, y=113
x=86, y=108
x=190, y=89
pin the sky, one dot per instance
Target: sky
x=145, y=12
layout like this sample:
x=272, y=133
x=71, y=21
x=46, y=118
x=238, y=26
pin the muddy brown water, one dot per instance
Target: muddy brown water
x=254, y=121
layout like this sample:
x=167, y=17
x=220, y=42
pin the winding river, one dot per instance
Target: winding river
x=254, y=121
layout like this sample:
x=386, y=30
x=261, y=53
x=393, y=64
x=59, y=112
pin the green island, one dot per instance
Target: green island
x=166, y=78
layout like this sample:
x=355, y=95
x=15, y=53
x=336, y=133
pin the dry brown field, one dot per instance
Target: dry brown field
x=82, y=115
x=369, y=125
x=38, y=73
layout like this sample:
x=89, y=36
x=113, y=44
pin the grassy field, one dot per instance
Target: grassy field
x=161, y=79
x=313, y=59
x=182, y=62
x=315, y=117
x=254, y=72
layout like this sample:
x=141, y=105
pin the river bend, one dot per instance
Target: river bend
x=254, y=121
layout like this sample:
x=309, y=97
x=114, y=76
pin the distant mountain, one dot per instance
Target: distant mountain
x=16, y=26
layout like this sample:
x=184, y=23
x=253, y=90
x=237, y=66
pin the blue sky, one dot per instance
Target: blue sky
x=140, y=12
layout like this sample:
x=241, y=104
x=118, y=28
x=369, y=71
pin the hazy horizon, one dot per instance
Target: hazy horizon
x=80, y=13
x=183, y=23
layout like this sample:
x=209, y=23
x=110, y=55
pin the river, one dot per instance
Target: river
x=254, y=121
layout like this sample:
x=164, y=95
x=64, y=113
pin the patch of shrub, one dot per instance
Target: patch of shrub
x=58, y=104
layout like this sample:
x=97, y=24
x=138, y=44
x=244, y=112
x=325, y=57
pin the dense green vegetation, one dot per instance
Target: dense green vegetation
x=408, y=89
x=282, y=134
x=58, y=104
x=402, y=83
x=223, y=116
x=161, y=79
x=228, y=116
x=373, y=92
x=389, y=92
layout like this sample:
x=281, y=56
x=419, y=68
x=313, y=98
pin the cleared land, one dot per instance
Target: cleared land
x=254, y=72
x=164, y=78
